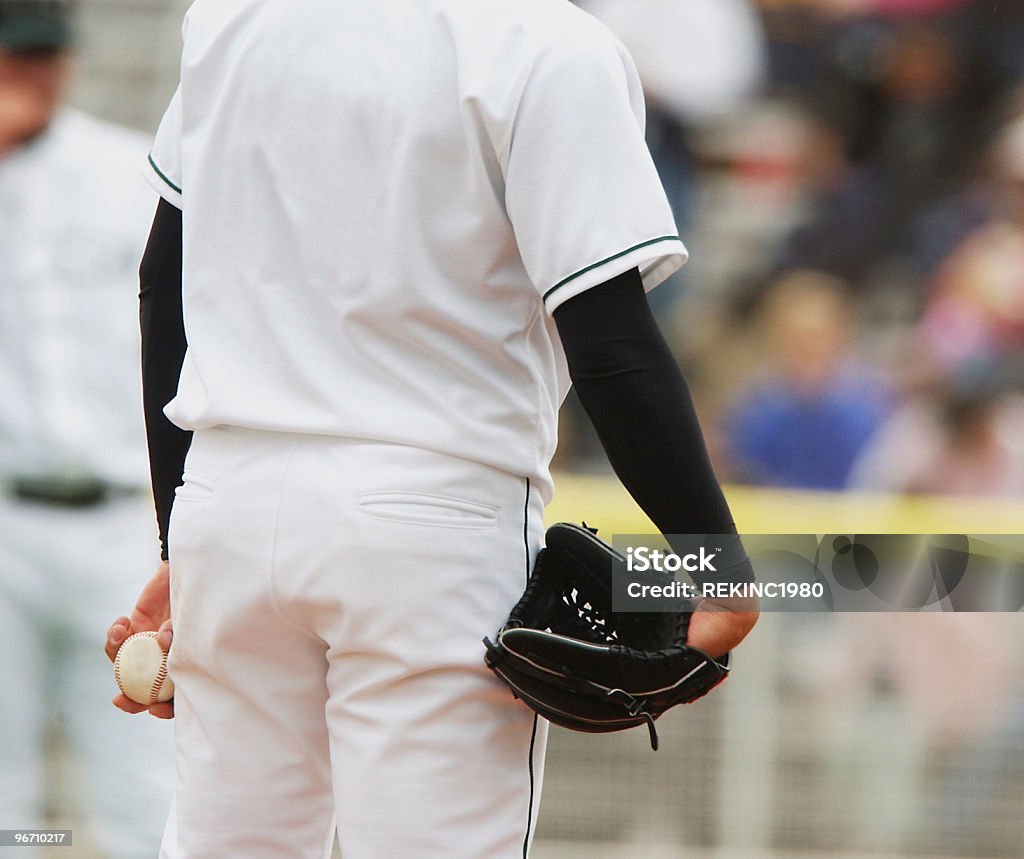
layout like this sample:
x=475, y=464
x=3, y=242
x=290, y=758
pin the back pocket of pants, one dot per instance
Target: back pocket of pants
x=422, y=508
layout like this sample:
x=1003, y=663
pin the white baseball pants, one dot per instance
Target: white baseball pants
x=329, y=598
x=65, y=575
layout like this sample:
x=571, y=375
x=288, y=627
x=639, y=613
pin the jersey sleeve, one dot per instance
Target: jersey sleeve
x=581, y=190
x=164, y=163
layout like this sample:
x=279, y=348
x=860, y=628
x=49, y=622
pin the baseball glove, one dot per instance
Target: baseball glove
x=580, y=664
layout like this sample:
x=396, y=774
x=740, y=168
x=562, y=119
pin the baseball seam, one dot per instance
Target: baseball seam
x=158, y=681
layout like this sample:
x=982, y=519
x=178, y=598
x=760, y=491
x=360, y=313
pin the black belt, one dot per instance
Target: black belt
x=77, y=492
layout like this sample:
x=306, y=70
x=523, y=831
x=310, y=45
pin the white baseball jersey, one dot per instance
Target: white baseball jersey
x=384, y=201
x=69, y=256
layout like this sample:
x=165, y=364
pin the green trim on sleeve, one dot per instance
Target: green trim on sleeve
x=612, y=258
x=163, y=175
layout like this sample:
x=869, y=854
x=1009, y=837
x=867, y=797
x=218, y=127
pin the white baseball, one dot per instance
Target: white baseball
x=140, y=670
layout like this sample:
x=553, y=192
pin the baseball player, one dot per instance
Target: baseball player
x=75, y=521
x=390, y=229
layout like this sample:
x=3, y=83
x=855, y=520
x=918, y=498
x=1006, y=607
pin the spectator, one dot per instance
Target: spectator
x=963, y=437
x=976, y=310
x=805, y=421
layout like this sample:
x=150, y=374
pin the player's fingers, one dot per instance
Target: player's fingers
x=162, y=711
x=118, y=632
x=716, y=631
x=123, y=702
x=165, y=635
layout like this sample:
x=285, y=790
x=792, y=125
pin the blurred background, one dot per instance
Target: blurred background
x=849, y=178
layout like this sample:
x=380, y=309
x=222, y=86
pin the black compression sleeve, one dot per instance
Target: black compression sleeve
x=163, y=351
x=641, y=408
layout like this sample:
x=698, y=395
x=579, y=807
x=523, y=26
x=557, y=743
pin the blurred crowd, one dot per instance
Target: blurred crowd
x=852, y=318
x=852, y=191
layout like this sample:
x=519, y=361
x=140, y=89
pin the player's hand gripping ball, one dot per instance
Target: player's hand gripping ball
x=140, y=670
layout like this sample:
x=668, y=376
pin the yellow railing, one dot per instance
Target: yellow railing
x=604, y=504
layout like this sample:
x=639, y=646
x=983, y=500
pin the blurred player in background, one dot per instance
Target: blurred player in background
x=75, y=523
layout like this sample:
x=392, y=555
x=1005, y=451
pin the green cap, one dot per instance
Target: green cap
x=29, y=25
